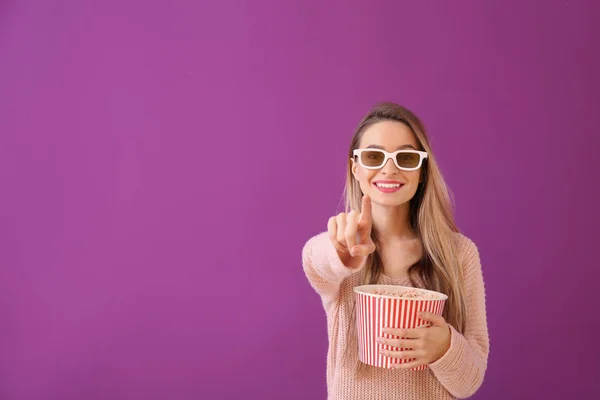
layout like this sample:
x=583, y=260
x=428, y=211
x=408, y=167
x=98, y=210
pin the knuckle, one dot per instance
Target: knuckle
x=331, y=224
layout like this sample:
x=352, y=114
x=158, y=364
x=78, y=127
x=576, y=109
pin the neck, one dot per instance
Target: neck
x=392, y=223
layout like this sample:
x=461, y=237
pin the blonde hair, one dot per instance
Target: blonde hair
x=431, y=219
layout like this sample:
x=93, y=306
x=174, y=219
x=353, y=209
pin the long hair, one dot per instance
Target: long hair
x=430, y=217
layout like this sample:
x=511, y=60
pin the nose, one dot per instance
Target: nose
x=389, y=167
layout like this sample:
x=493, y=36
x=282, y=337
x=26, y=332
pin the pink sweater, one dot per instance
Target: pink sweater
x=458, y=374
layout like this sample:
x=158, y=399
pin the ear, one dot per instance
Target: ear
x=353, y=168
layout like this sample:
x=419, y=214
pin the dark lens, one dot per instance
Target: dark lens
x=408, y=160
x=372, y=158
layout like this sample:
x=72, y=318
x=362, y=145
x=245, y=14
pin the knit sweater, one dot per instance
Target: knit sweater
x=457, y=374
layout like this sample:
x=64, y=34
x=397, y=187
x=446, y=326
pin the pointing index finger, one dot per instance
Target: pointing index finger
x=365, y=212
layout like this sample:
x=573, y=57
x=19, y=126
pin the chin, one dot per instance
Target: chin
x=387, y=201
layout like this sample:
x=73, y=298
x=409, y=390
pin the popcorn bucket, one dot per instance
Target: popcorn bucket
x=393, y=306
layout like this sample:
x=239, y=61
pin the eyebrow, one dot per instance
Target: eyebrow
x=405, y=146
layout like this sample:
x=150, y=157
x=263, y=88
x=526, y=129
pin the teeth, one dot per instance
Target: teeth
x=388, y=185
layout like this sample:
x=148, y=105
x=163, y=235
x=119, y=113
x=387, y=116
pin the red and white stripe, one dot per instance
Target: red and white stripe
x=373, y=313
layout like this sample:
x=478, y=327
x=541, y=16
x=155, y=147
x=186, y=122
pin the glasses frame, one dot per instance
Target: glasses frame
x=422, y=156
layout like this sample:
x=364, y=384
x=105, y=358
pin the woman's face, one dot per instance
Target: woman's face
x=389, y=136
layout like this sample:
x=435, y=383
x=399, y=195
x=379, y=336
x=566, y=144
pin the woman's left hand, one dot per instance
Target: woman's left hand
x=421, y=345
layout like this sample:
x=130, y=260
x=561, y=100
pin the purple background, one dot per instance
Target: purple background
x=163, y=163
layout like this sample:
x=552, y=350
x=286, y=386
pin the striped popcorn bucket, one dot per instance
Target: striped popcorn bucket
x=376, y=311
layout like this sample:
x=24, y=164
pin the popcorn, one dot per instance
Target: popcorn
x=412, y=293
x=390, y=306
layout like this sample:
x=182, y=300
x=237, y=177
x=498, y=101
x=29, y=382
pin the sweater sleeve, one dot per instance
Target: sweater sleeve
x=323, y=267
x=461, y=369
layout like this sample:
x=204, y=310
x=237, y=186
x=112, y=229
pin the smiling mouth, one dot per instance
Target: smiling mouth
x=388, y=188
x=388, y=185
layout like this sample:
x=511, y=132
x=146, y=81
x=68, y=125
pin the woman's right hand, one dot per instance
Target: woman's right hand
x=346, y=228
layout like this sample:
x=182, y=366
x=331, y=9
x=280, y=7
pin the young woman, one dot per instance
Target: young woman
x=398, y=229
